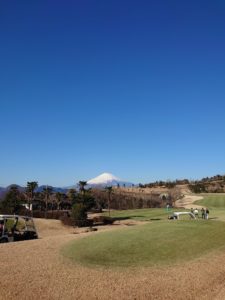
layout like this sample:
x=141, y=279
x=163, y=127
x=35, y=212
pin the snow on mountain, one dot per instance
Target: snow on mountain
x=107, y=179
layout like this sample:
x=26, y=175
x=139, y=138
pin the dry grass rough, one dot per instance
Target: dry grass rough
x=37, y=270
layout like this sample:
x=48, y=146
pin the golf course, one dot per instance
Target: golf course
x=158, y=243
x=143, y=255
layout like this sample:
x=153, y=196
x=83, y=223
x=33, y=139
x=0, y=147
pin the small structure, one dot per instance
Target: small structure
x=16, y=228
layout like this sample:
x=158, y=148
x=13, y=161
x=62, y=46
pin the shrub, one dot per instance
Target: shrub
x=198, y=188
x=79, y=214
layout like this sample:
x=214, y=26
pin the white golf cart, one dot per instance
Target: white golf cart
x=176, y=215
x=16, y=228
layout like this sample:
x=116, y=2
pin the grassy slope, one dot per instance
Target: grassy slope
x=215, y=203
x=145, y=214
x=212, y=200
x=156, y=243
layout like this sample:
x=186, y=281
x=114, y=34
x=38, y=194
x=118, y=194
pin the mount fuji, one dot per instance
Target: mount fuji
x=107, y=179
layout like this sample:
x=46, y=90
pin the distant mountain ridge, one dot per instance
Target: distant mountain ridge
x=208, y=184
x=4, y=190
x=55, y=189
x=101, y=181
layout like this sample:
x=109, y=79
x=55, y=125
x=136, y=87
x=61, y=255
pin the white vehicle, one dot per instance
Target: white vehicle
x=16, y=228
x=177, y=214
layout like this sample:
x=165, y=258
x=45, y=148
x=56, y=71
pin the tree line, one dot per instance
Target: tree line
x=16, y=200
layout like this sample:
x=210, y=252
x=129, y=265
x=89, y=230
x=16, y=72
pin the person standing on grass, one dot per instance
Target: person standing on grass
x=203, y=213
x=196, y=213
x=207, y=214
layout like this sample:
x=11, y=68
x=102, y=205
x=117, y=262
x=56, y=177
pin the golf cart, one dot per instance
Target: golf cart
x=176, y=215
x=16, y=228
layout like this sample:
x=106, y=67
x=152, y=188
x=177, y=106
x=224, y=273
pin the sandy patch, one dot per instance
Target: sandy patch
x=188, y=202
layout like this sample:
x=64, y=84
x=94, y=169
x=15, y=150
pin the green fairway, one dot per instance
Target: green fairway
x=212, y=200
x=145, y=214
x=215, y=203
x=156, y=243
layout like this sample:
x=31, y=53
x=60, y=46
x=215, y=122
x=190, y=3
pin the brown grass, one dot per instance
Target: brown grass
x=37, y=270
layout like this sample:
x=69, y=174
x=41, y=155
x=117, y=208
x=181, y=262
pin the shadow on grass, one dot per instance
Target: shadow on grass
x=121, y=218
x=126, y=218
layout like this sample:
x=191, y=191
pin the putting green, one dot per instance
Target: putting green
x=156, y=243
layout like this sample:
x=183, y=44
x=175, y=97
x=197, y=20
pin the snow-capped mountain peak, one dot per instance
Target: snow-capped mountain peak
x=104, y=179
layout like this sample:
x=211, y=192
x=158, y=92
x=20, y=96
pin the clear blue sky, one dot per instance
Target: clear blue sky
x=135, y=88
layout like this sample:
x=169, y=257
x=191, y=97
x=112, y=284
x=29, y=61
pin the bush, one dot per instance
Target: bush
x=197, y=188
x=79, y=214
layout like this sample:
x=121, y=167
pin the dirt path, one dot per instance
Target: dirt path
x=37, y=270
x=188, y=202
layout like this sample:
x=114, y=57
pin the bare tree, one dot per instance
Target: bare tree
x=109, y=190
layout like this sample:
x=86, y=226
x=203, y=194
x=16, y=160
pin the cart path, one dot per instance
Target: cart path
x=188, y=202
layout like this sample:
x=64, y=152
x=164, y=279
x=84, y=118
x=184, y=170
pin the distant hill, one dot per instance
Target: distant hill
x=4, y=190
x=214, y=184
x=55, y=189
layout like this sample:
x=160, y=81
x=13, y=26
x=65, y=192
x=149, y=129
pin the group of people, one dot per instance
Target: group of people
x=204, y=213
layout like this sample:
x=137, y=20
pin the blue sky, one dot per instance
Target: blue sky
x=135, y=88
